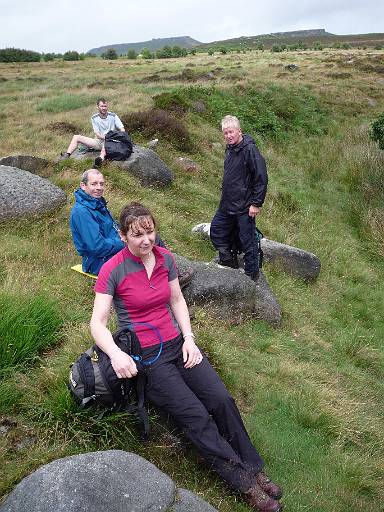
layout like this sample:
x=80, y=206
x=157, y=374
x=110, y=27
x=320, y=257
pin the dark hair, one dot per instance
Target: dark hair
x=135, y=214
x=101, y=100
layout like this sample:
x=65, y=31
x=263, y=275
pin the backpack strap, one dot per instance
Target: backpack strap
x=87, y=375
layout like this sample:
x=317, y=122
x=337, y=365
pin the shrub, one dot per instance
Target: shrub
x=377, y=131
x=210, y=51
x=171, y=102
x=223, y=50
x=131, y=54
x=47, y=57
x=17, y=55
x=63, y=103
x=27, y=327
x=276, y=48
x=110, y=54
x=146, y=54
x=271, y=111
x=71, y=55
x=156, y=122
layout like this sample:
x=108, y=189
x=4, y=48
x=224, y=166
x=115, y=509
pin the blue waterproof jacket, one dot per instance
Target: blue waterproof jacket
x=94, y=231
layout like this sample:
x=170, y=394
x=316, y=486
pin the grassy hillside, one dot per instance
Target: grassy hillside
x=310, y=391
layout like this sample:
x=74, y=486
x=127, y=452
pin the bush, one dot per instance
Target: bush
x=146, y=54
x=131, y=54
x=17, y=55
x=377, y=131
x=156, y=122
x=276, y=48
x=27, y=327
x=171, y=102
x=271, y=111
x=110, y=54
x=71, y=55
x=63, y=103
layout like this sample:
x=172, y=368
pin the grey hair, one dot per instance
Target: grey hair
x=85, y=175
x=230, y=121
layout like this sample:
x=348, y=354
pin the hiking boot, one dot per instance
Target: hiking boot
x=272, y=489
x=185, y=278
x=64, y=156
x=98, y=162
x=261, y=501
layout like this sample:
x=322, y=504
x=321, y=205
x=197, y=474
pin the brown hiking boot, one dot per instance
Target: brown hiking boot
x=268, y=486
x=261, y=501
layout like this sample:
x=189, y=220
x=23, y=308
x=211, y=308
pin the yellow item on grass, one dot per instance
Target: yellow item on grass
x=79, y=268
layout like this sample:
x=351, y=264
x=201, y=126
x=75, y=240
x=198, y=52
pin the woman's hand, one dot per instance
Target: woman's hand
x=123, y=364
x=191, y=353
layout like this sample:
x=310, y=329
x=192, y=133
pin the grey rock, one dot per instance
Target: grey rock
x=148, y=167
x=113, y=481
x=266, y=306
x=143, y=163
x=25, y=162
x=229, y=293
x=187, y=164
x=291, y=67
x=294, y=261
x=23, y=194
x=93, y=482
x=152, y=143
x=187, y=501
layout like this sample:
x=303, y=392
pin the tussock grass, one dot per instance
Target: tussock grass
x=27, y=327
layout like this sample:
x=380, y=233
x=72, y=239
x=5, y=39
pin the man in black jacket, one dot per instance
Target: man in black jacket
x=243, y=192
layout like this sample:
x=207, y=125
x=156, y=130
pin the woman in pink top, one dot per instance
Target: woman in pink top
x=141, y=282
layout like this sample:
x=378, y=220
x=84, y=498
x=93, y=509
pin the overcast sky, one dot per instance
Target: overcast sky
x=52, y=26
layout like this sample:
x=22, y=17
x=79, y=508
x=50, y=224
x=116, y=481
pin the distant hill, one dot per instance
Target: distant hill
x=306, y=36
x=152, y=45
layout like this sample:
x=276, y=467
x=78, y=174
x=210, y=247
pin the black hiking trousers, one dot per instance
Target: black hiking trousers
x=200, y=404
x=226, y=228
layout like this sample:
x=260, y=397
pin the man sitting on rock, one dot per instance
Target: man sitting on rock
x=94, y=231
x=102, y=122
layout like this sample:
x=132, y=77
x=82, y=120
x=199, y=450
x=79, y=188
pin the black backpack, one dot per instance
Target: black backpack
x=93, y=381
x=118, y=145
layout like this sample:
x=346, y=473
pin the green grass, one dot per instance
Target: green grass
x=63, y=103
x=311, y=390
x=28, y=326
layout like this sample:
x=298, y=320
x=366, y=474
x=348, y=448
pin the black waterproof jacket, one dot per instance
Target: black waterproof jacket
x=245, y=177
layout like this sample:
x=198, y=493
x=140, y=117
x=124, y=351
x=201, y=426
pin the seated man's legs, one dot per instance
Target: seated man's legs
x=87, y=141
x=221, y=233
x=247, y=236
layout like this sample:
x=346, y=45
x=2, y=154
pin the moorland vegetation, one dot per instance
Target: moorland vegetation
x=311, y=390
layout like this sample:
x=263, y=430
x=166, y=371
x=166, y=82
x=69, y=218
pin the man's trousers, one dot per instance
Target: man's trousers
x=226, y=228
x=200, y=404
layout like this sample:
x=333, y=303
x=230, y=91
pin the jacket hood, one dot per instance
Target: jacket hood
x=83, y=198
x=247, y=139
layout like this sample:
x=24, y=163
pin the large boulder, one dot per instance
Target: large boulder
x=229, y=293
x=23, y=194
x=143, y=163
x=292, y=260
x=29, y=163
x=147, y=167
x=113, y=481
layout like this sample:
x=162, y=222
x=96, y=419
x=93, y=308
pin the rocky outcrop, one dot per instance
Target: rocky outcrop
x=294, y=261
x=143, y=163
x=228, y=293
x=23, y=194
x=25, y=162
x=112, y=481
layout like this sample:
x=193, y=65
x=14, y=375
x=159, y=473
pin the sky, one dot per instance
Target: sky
x=53, y=26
